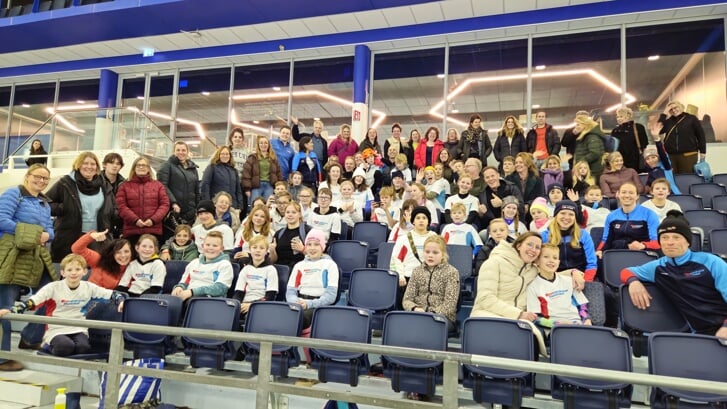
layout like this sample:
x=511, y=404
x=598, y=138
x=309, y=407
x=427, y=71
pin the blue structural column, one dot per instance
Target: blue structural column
x=359, y=111
x=108, y=84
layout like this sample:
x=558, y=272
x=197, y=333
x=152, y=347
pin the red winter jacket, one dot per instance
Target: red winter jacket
x=142, y=198
x=420, y=154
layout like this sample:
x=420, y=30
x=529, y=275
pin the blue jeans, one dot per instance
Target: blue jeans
x=265, y=190
x=32, y=333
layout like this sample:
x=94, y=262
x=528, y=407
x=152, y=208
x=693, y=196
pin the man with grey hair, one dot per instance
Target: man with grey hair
x=320, y=145
x=683, y=138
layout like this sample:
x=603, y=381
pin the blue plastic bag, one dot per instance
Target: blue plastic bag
x=133, y=388
x=702, y=169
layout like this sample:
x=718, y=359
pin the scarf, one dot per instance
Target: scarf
x=474, y=135
x=88, y=187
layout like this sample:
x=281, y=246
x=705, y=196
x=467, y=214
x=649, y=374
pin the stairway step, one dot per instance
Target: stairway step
x=33, y=388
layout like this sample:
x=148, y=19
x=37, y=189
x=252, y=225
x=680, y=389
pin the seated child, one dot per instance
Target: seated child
x=408, y=252
x=296, y=184
x=551, y=297
x=437, y=188
x=208, y=224
x=592, y=204
x=540, y=215
x=459, y=232
x=277, y=211
x=326, y=217
x=659, y=202
x=349, y=208
x=496, y=231
x=314, y=281
x=69, y=298
x=385, y=211
x=657, y=162
x=181, y=246
x=510, y=213
x=471, y=203
x=210, y=275
x=305, y=198
x=552, y=171
x=404, y=225
x=402, y=165
x=145, y=274
x=258, y=281
x=508, y=166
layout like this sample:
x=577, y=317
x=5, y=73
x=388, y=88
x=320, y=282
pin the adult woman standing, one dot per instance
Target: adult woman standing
x=527, y=178
x=261, y=171
x=36, y=148
x=510, y=140
x=239, y=148
x=221, y=176
x=683, y=138
x=577, y=250
x=306, y=162
x=402, y=146
x=589, y=144
x=632, y=138
x=451, y=143
x=343, y=146
x=180, y=177
x=371, y=141
x=81, y=201
x=427, y=151
x=142, y=201
x=616, y=174
x=474, y=142
x=24, y=205
x=504, y=277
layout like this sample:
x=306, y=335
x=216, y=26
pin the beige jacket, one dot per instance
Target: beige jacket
x=502, y=282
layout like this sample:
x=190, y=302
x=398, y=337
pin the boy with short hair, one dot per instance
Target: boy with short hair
x=385, y=211
x=660, y=189
x=592, y=205
x=210, y=275
x=326, y=217
x=471, y=203
x=258, y=281
x=402, y=165
x=459, y=232
x=206, y=215
x=551, y=295
x=69, y=298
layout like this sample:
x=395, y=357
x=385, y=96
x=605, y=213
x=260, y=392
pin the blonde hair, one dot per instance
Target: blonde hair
x=588, y=179
x=510, y=133
x=216, y=157
x=401, y=158
x=132, y=171
x=247, y=228
x=439, y=241
x=257, y=240
x=73, y=259
x=458, y=207
x=555, y=237
x=387, y=191
x=82, y=157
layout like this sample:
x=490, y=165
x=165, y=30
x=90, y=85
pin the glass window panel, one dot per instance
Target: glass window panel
x=406, y=87
x=203, y=98
x=31, y=109
x=4, y=110
x=576, y=72
x=261, y=98
x=683, y=62
x=323, y=89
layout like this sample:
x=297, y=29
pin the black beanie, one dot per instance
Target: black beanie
x=421, y=209
x=674, y=222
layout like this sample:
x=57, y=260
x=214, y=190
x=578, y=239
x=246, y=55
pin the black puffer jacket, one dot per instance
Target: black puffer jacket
x=65, y=206
x=182, y=184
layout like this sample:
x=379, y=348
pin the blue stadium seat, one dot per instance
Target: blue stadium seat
x=349, y=255
x=460, y=256
x=375, y=290
x=593, y=290
x=175, y=271
x=596, y=235
x=274, y=318
x=720, y=178
x=373, y=233
x=706, y=360
x=707, y=191
x=590, y=347
x=684, y=180
x=235, y=274
x=643, y=198
x=687, y=202
x=697, y=239
x=383, y=260
x=719, y=202
x=283, y=276
x=15, y=11
x=718, y=238
x=660, y=316
x=161, y=311
x=59, y=4
x=707, y=220
x=220, y=314
x=501, y=338
x=45, y=5
x=340, y=323
x=414, y=330
x=616, y=260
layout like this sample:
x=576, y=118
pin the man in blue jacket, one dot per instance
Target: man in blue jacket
x=695, y=282
x=284, y=151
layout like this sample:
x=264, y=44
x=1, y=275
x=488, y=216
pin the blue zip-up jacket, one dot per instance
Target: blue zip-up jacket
x=622, y=228
x=311, y=177
x=17, y=205
x=696, y=283
x=663, y=170
x=582, y=258
x=285, y=153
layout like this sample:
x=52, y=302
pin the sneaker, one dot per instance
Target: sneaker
x=23, y=344
x=10, y=366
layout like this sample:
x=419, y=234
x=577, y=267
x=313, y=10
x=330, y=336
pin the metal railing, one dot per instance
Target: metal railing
x=265, y=387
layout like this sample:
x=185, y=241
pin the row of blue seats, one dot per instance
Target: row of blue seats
x=594, y=347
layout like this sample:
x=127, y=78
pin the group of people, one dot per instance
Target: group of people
x=526, y=219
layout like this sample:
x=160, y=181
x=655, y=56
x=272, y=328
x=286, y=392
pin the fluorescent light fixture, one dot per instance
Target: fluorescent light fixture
x=316, y=119
x=80, y=101
x=588, y=72
x=312, y=93
x=147, y=52
x=25, y=105
x=540, y=67
x=276, y=89
x=455, y=111
x=440, y=76
x=141, y=97
x=205, y=93
x=256, y=122
x=653, y=57
x=50, y=110
x=196, y=125
x=536, y=106
x=63, y=120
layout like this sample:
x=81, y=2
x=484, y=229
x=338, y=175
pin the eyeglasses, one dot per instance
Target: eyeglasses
x=38, y=177
x=323, y=198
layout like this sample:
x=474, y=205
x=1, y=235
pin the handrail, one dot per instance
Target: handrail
x=264, y=386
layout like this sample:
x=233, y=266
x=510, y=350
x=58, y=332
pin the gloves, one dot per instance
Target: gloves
x=118, y=297
x=21, y=306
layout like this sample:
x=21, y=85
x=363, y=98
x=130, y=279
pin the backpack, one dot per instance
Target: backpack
x=610, y=144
